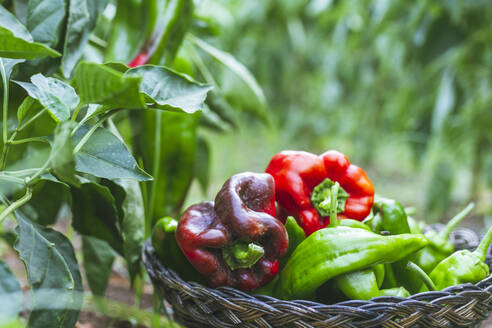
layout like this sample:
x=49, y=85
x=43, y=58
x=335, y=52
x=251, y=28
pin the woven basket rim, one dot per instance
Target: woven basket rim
x=420, y=297
x=198, y=305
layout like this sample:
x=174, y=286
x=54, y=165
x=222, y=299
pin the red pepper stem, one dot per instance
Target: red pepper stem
x=483, y=247
x=333, y=210
x=242, y=254
x=321, y=198
x=422, y=275
x=451, y=225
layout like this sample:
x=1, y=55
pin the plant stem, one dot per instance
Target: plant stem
x=98, y=41
x=33, y=139
x=484, y=245
x=10, y=178
x=451, y=225
x=39, y=172
x=81, y=122
x=4, y=200
x=76, y=112
x=5, y=100
x=333, y=206
x=5, y=152
x=15, y=205
x=145, y=196
x=155, y=165
x=422, y=275
x=156, y=304
x=93, y=129
x=32, y=119
x=20, y=172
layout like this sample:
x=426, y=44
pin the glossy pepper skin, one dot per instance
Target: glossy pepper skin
x=363, y=284
x=217, y=237
x=296, y=236
x=393, y=220
x=298, y=173
x=330, y=252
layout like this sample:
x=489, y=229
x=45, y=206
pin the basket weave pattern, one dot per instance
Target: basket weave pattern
x=195, y=305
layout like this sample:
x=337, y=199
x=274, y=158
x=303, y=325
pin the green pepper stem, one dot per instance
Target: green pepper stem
x=482, y=248
x=333, y=206
x=242, y=254
x=451, y=225
x=321, y=198
x=412, y=267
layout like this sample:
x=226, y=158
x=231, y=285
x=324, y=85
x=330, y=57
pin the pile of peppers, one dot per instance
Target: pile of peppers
x=311, y=227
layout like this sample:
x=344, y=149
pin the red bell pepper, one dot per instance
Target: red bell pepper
x=303, y=181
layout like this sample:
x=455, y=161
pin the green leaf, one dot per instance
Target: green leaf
x=129, y=202
x=48, y=197
x=77, y=35
x=9, y=65
x=82, y=15
x=100, y=84
x=25, y=107
x=118, y=66
x=106, y=156
x=56, y=96
x=62, y=159
x=45, y=20
x=16, y=42
x=10, y=294
x=169, y=89
x=202, y=164
x=213, y=121
x=230, y=62
x=174, y=22
x=10, y=22
x=53, y=275
x=98, y=262
x=131, y=209
x=95, y=214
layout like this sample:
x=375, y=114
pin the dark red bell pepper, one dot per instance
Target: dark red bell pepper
x=303, y=181
x=237, y=240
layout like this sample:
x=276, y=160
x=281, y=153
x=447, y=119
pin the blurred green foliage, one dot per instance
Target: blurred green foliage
x=402, y=87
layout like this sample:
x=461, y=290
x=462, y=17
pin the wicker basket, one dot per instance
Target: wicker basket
x=195, y=305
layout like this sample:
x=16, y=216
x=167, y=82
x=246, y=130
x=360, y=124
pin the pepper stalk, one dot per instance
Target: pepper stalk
x=483, y=247
x=241, y=254
x=329, y=199
x=422, y=275
x=451, y=225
